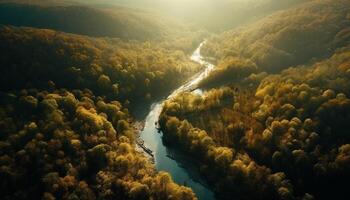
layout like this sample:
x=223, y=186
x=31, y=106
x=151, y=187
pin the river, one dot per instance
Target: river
x=179, y=165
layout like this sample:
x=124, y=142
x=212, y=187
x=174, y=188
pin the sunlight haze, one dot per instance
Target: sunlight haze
x=174, y=99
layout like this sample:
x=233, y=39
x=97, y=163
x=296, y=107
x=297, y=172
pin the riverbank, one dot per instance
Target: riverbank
x=166, y=159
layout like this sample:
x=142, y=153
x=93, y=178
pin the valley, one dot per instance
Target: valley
x=174, y=100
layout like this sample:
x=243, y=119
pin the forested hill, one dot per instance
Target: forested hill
x=79, y=19
x=212, y=15
x=114, y=68
x=310, y=31
x=271, y=120
x=66, y=131
x=286, y=137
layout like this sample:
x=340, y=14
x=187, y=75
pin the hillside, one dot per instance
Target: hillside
x=271, y=120
x=67, y=93
x=134, y=100
x=133, y=71
x=66, y=128
x=286, y=137
x=308, y=32
x=95, y=21
x=214, y=16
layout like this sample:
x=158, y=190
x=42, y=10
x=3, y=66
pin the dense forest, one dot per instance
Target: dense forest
x=260, y=110
x=74, y=145
x=66, y=128
x=292, y=126
x=116, y=21
x=130, y=71
x=308, y=32
x=273, y=121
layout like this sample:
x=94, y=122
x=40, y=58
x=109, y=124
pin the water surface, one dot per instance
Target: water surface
x=178, y=164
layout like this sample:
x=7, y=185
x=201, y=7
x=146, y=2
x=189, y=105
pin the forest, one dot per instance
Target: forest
x=269, y=126
x=250, y=99
x=66, y=102
x=130, y=71
x=292, y=126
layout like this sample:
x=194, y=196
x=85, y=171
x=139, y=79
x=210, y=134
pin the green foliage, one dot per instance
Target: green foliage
x=309, y=31
x=64, y=135
x=95, y=21
x=230, y=70
x=79, y=155
x=291, y=128
x=111, y=67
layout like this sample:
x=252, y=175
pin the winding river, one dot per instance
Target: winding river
x=179, y=165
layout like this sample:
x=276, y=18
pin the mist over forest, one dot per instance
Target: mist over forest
x=174, y=99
